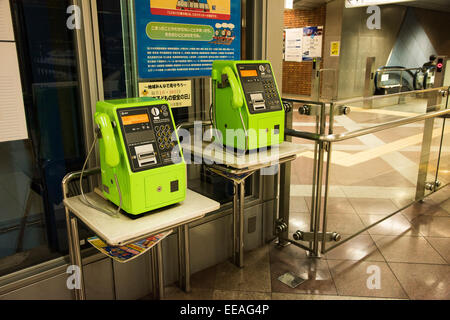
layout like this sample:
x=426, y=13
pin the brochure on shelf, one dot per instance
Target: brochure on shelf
x=129, y=252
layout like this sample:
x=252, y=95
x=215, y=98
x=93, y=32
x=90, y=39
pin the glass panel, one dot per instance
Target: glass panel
x=32, y=221
x=374, y=175
x=378, y=110
x=112, y=48
x=302, y=171
x=377, y=174
x=444, y=163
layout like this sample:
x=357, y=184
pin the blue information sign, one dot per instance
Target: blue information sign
x=181, y=38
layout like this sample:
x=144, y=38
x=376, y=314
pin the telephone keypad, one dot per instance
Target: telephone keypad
x=270, y=91
x=263, y=83
x=164, y=137
x=149, y=144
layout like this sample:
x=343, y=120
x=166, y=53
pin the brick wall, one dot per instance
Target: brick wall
x=297, y=75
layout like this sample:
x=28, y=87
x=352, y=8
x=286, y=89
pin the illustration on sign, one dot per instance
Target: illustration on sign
x=205, y=9
x=312, y=43
x=177, y=93
x=224, y=33
x=181, y=38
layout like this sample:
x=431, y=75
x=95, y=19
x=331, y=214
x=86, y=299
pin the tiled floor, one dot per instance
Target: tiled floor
x=412, y=259
x=407, y=256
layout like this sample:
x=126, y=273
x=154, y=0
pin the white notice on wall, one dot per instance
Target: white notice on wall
x=13, y=124
x=6, y=28
x=293, y=45
x=178, y=93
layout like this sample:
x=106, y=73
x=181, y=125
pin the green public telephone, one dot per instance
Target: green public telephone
x=246, y=99
x=141, y=160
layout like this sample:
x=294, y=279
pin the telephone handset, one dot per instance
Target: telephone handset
x=237, y=100
x=112, y=157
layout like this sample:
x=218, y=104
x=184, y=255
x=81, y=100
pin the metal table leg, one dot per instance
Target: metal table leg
x=159, y=260
x=70, y=244
x=184, y=263
x=283, y=194
x=154, y=272
x=241, y=224
x=181, y=275
x=80, y=292
x=157, y=271
x=235, y=221
x=238, y=223
x=187, y=260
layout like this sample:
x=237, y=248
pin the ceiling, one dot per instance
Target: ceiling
x=309, y=4
x=439, y=5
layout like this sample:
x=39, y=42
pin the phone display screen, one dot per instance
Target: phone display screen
x=135, y=119
x=249, y=73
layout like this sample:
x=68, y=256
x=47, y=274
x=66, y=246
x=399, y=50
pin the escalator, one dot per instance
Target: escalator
x=395, y=79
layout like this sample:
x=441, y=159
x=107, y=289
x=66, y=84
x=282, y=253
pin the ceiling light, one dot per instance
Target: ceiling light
x=289, y=4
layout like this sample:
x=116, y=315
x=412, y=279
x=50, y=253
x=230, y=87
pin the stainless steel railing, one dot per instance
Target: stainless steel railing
x=324, y=138
x=364, y=131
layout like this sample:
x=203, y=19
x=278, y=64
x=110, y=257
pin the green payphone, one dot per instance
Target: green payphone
x=142, y=165
x=246, y=99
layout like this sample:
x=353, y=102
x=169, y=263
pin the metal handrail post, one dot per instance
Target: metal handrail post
x=317, y=207
x=441, y=144
x=319, y=178
x=425, y=153
x=327, y=180
x=313, y=196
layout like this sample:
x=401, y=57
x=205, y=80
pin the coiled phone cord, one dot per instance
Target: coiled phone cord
x=85, y=200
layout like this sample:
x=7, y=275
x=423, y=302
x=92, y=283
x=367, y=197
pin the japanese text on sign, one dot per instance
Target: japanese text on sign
x=177, y=93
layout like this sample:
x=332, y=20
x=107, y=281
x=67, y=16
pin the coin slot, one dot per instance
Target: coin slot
x=146, y=155
x=153, y=161
x=258, y=101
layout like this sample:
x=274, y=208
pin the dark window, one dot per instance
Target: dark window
x=32, y=219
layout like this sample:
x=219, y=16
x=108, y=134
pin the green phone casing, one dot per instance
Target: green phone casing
x=151, y=170
x=248, y=110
